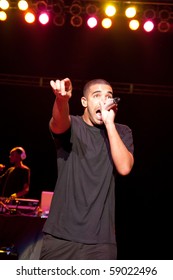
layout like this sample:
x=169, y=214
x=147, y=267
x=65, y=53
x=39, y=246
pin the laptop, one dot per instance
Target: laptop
x=46, y=198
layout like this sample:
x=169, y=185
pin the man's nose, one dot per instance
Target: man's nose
x=103, y=99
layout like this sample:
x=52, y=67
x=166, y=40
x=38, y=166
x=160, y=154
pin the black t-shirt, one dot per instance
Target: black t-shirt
x=83, y=205
x=13, y=180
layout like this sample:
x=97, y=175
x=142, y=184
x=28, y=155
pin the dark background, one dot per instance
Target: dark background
x=144, y=198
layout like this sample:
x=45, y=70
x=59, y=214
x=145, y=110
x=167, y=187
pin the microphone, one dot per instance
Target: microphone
x=111, y=103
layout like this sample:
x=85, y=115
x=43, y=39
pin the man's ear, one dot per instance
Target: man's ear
x=84, y=101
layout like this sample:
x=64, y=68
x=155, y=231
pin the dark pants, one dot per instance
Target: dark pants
x=59, y=249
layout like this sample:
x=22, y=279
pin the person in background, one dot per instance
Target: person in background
x=15, y=181
x=91, y=150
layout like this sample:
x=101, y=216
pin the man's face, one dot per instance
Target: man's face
x=96, y=94
x=14, y=157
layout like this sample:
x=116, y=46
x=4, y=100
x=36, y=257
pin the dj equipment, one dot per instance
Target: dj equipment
x=18, y=205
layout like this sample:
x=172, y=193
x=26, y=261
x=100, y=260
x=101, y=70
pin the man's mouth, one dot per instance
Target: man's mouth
x=98, y=114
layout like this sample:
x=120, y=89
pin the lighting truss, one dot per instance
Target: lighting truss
x=75, y=12
x=121, y=88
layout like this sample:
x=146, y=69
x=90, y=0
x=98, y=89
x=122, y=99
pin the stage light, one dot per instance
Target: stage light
x=134, y=24
x=22, y=5
x=149, y=14
x=58, y=8
x=92, y=22
x=3, y=16
x=76, y=8
x=91, y=9
x=4, y=5
x=164, y=26
x=148, y=26
x=29, y=17
x=110, y=10
x=76, y=21
x=130, y=12
x=76, y=11
x=43, y=18
x=41, y=6
x=164, y=14
x=106, y=23
x=59, y=20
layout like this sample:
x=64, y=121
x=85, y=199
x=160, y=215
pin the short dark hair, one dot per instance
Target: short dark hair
x=94, y=82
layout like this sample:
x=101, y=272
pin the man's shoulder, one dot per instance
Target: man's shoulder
x=123, y=129
x=122, y=126
x=77, y=121
x=25, y=167
x=76, y=118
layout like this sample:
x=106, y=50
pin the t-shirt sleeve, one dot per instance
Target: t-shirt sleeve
x=126, y=135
